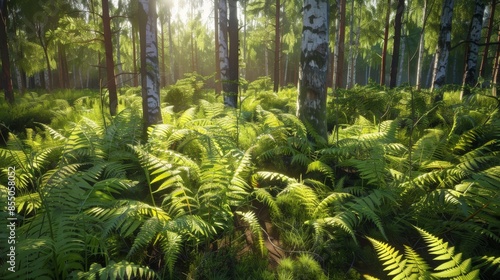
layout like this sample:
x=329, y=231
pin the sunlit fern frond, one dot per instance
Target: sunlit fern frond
x=117, y=270
x=393, y=261
x=251, y=219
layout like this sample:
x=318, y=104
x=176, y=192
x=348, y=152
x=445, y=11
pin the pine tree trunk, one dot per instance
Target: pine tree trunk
x=386, y=42
x=397, y=43
x=5, y=78
x=311, y=101
x=110, y=65
x=277, y=40
x=443, y=47
x=150, y=76
x=474, y=38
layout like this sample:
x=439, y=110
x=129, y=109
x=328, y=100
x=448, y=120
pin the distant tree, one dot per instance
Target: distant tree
x=277, y=47
x=223, y=48
x=386, y=43
x=6, y=80
x=491, y=25
x=338, y=71
x=311, y=103
x=397, y=42
x=443, y=46
x=110, y=64
x=150, y=74
x=473, y=39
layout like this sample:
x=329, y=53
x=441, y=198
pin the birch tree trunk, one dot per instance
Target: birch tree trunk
x=397, y=43
x=277, y=44
x=110, y=65
x=217, y=59
x=223, y=48
x=5, y=78
x=311, y=101
x=443, y=47
x=474, y=38
x=491, y=24
x=150, y=74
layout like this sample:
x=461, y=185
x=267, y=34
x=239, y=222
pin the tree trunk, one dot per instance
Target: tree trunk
x=443, y=47
x=397, y=43
x=150, y=76
x=350, y=55
x=421, y=48
x=311, y=101
x=277, y=44
x=223, y=47
x=6, y=77
x=134, y=57
x=163, y=76
x=386, y=41
x=338, y=73
x=171, y=47
x=474, y=38
x=231, y=98
x=217, y=59
x=110, y=64
x=496, y=68
x=491, y=25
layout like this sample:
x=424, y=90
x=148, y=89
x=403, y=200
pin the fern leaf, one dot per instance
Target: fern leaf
x=251, y=219
x=394, y=261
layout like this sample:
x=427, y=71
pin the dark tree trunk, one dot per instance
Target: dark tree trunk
x=110, y=64
x=397, y=43
x=277, y=44
x=134, y=57
x=311, y=103
x=6, y=79
x=496, y=67
x=474, y=37
x=217, y=59
x=231, y=99
x=386, y=41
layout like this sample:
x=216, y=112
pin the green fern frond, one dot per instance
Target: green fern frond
x=118, y=270
x=392, y=260
x=417, y=264
x=251, y=219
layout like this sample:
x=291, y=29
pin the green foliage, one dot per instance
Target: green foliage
x=304, y=267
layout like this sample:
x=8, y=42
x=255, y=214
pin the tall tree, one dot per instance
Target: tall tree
x=311, y=101
x=223, y=48
x=217, y=59
x=491, y=24
x=277, y=44
x=231, y=98
x=150, y=74
x=110, y=64
x=338, y=72
x=443, y=47
x=473, y=39
x=6, y=80
x=397, y=42
x=421, y=45
x=386, y=43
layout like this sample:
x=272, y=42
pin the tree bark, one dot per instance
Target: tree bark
x=443, y=47
x=231, y=99
x=350, y=55
x=491, y=25
x=110, y=64
x=134, y=57
x=311, y=101
x=386, y=42
x=6, y=78
x=223, y=48
x=421, y=48
x=277, y=44
x=474, y=38
x=496, y=67
x=338, y=72
x=150, y=76
x=397, y=43
x=217, y=59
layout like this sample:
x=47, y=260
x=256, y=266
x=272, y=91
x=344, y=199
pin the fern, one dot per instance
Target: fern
x=254, y=226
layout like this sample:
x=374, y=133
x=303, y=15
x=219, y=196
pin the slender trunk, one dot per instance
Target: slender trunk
x=110, y=64
x=231, y=99
x=266, y=63
x=386, y=41
x=171, y=48
x=339, y=48
x=119, y=60
x=163, y=77
x=217, y=59
x=496, y=67
x=5, y=78
x=223, y=47
x=311, y=101
x=443, y=47
x=474, y=37
x=134, y=57
x=397, y=43
x=277, y=40
x=351, y=48
x=48, y=80
x=421, y=48
x=491, y=25
x=150, y=76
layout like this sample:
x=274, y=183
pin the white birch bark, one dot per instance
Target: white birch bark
x=443, y=47
x=311, y=101
x=223, y=45
x=150, y=74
